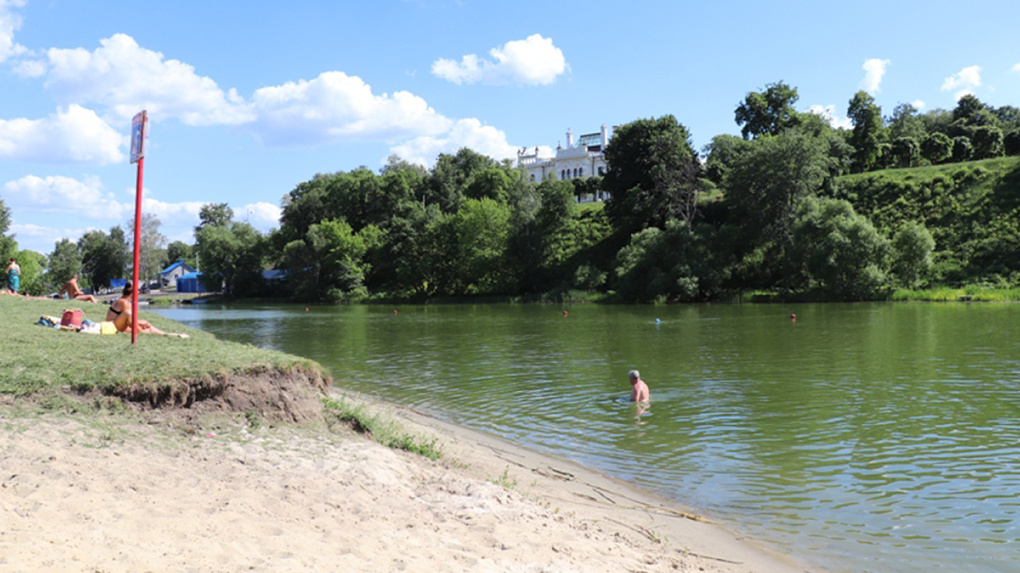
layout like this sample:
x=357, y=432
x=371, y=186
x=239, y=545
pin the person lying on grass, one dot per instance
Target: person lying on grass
x=120, y=315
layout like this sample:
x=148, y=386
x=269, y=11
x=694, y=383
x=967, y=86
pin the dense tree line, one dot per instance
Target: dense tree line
x=791, y=206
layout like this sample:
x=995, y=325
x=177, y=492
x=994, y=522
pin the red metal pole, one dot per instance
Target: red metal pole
x=138, y=242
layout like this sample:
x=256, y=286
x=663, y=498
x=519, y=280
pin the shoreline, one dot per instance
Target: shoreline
x=108, y=492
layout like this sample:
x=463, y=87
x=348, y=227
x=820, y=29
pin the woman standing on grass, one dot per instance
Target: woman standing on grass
x=120, y=315
x=13, y=276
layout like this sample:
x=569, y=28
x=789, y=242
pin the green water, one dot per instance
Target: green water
x=866, y=437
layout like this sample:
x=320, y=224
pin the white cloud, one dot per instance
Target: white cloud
x=74, y=135
x=334, y=107
x=918, y=104
x=43, y=239
x=126, y=78
x=30, y=68
x=828, y=113
x=531, y=61
x=874, y=69
x=58, y=194
x=9, y=23
x=260, y=215
x=1016, y=68
x=964, y=82
x=469, y=132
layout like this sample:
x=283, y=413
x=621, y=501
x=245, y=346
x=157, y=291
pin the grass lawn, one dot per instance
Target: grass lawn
x=34, y=359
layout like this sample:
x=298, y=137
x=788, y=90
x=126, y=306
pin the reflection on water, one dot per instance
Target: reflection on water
x=869, y=437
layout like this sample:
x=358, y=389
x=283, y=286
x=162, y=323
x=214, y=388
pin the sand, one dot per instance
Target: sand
x=104, y=493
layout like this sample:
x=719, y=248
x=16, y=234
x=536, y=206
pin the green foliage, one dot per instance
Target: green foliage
x=653, y=174
x=64, y=262
x=232, y=255
x=838, y=251
x=937, y=148
x=180, y=251
x=671, y=264
x=765, y=184
x=971, y=210
x=988, y=142
x=104, y=257
x=867, y=133
x=912, y=248
x=906, y=152
x=384, y=430
x=152, y=254
x=962, y=149
x=33, y=278
x=769, y=112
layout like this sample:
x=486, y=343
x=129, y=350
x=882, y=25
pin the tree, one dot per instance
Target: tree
x=905, y=152
x=767, y=113
x=767, y=182
x=720, y=154
x=8, y=246
x=838, y=251
x=1011, y=143
x=905, y=123
x=179, y=250
x=937, y=148
x=668, y=264
x=104, y=257
x=232, y=257
x=64, y=262
x=151, y=254
x=988, y=142
x=216, y=214
x=867, y=133
x=962, y=149
x=652, y=176
x=912, y=248
x=33, y=278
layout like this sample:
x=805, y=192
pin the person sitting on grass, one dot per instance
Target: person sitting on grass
x=72, y=291
x=120, y=315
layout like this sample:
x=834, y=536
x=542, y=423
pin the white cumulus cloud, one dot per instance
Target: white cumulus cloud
x=334, y=107
x=531, y=61
x=470, y=133
x=9, y=24
x=828, y=113
x=126, y=78
x=1016, y=68
x=874, y=69
x=963, y=82
x=72, y=135
x=260, y=214
x=58, y=194
x=918, y=104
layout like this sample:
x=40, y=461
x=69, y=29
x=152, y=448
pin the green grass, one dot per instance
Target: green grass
x=970, y=293
x=36, y=359
x=385, y=431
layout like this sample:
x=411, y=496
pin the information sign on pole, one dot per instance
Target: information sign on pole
x=139, y=129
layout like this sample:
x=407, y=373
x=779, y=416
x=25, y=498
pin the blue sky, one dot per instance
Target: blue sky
x=247, y=99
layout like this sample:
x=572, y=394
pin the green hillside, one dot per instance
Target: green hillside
x=972, y=210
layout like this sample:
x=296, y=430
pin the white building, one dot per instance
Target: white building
x=582, y=160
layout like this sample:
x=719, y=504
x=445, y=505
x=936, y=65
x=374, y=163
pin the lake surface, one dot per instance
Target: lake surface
x=864, y=437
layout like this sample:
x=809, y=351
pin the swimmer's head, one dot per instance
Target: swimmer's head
x=634, y=375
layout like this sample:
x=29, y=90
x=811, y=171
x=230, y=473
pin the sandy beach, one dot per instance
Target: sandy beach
x=104, y=493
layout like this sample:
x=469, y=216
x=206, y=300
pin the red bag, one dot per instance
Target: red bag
x=72, y=317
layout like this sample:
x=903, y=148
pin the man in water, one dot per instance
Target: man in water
x=639, y=390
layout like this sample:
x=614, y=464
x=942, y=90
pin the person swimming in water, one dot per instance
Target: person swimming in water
x=639, y=390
